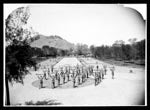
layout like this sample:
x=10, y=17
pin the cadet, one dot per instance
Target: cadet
x=95, y=79
x=78, y=80
x=53, y=82
x=58, y=79
x=112, y=71
x=45, y=75
x=48, y=72
x=41, y=83
x=74, y=81
x=63, y=78
x=52, y=68
x=102, y=73
x=82, y=78
x=98, y=77
x=105, y=69
x=87, y=72
x=68, y=76
x=56, y=75
x=62, y=75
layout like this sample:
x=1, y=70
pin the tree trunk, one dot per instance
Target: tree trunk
x=7, y=92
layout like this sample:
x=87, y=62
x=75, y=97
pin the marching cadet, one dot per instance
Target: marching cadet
x=96, y=75
x=78, y=79
x=83, y=77
x=53, y=82
x=91, y=69
x=41, y=83
x=58, y=79
x=56, y=75
x=64, y=78
x=73, y=78
x=45, y=75
x=87, y=73
x=62, y=74
x=48, y=72
x=95, y=79
x=105, y=69
x=112, y=71
x=52, y=68
x=74, y=81
x=35, y=67
x=68, y=76
x=102, y=73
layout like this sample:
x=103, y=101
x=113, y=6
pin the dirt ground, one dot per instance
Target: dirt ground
x=124, y=90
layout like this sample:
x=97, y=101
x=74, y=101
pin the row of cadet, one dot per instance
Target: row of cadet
x=77, y=74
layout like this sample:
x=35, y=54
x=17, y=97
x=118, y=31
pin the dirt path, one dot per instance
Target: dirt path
x=72, y=61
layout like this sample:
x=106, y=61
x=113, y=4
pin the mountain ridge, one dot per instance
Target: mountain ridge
x=52, y=41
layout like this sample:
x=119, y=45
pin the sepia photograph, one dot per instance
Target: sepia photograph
x=74, y=55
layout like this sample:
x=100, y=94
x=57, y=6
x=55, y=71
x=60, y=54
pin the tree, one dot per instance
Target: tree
x=37, y=52
x=133, y=47
x=82, y=49
x=140, y=47
x=132, y=41
x=121, y=51
x=18, y=50
x=46, y=50
x=126, y=49
x=118, y=52
x=70, y=51
x=92, y=49
x=53, y=51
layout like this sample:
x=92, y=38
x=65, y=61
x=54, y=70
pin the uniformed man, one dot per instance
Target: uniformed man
x=82, y=78
x=68, y=76
x=64, y=78
x=87, y=73
x=78, y=80
x=62, y=75
x=53, y=82
x=45, y=75
x=56, y=75
x=41, y=83
x=112, y=71
x=100, y=76
x=52, y=68
x=58, y=79
x=35, y=67
x=102, y=73
x=105, y=69
x=48, y=71
x=74, y=81
x=95, y=79
x=96, y=75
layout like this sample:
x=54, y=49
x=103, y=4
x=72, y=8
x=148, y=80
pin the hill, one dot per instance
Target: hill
x=51, y=41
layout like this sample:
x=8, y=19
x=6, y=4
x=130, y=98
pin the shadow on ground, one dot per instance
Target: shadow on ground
x=67, y=85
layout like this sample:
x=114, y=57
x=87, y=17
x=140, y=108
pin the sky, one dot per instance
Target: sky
x=91, y=24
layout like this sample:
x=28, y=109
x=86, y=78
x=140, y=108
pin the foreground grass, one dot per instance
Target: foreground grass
x=44, y=102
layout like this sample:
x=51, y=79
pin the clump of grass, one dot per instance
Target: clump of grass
x=44, y=102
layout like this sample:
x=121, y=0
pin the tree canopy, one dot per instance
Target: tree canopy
x=18, y=50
